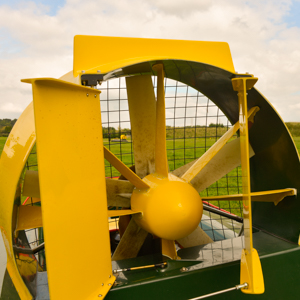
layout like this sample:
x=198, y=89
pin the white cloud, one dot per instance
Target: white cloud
x=261, y=43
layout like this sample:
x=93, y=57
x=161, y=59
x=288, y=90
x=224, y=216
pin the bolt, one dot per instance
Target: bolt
x=102, y=284
x=95, y=96
x=184, y=269
x=82, y=71
x=109, y=276
x=87, y=94
x=100, y=295
x=109, y=284
x=98, y=71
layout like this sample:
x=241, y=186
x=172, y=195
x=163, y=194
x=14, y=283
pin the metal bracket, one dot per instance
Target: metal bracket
x=91, y=79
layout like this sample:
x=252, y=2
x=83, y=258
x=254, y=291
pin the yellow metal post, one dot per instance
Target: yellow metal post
x=251, y=271
x=71, y=169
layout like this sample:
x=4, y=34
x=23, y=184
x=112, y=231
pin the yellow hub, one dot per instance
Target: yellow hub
x=171, y=208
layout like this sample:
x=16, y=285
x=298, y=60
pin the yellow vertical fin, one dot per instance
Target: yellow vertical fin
x=69, y=138
x=251, y=271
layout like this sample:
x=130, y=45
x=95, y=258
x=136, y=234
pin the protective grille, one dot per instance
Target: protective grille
x=194, y=123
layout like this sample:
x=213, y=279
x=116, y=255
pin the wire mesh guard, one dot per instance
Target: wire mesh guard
x=193, y=124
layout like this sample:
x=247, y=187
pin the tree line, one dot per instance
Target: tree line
x=6, y=125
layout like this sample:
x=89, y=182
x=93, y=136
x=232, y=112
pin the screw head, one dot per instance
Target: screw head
x=184, y=269
x=87, y=94
x=100, y=295
x=95, y=96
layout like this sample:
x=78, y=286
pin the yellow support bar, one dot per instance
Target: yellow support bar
x=195, y=169
x=124, y=170
x=94, y=54
x=251, y=271
x=73, y=144
x=267, y=196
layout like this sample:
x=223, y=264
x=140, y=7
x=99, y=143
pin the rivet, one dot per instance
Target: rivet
x=183, y=269
x=82, y=71
x=102, y=284
x=109, y=284
x=109, y=276
x=100, y=295
x=98, y=71
x=87, y=94
x=95, y=96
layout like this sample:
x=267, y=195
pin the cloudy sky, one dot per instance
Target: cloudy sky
x=36, y=39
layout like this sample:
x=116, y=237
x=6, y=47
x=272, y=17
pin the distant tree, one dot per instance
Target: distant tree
x=216, y=125
x=8, y=129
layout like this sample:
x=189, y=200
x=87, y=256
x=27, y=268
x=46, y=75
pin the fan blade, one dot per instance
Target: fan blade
x=131, y=242
x=196, y=238
x=169, y=249
x=226, y=160
x=31, y=186
x=181, y=170
x=118, y=192
x=124, y=170
x=267, y=196
x=192, y=172
x=142, y=107
x=161, y=160
x=121, y=212
x=29, y=217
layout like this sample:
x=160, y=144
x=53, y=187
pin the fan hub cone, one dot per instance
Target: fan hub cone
x=171, y=208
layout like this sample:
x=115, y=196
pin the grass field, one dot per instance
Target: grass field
x=179, y=151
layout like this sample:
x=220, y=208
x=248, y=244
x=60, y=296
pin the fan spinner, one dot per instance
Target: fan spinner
x=74, y=198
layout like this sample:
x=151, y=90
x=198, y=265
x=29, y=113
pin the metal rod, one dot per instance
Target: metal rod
x=237, y=287
x=222, y=213
x=161, y=265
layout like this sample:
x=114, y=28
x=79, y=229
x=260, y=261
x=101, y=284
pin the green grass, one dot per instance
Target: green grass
x=2, y=143
x=179, y=151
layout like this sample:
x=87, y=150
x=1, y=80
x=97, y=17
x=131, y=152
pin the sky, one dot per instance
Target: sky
x=36, y=39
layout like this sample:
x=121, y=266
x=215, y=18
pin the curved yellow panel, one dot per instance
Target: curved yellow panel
x=13, y=159
x=104, y=54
